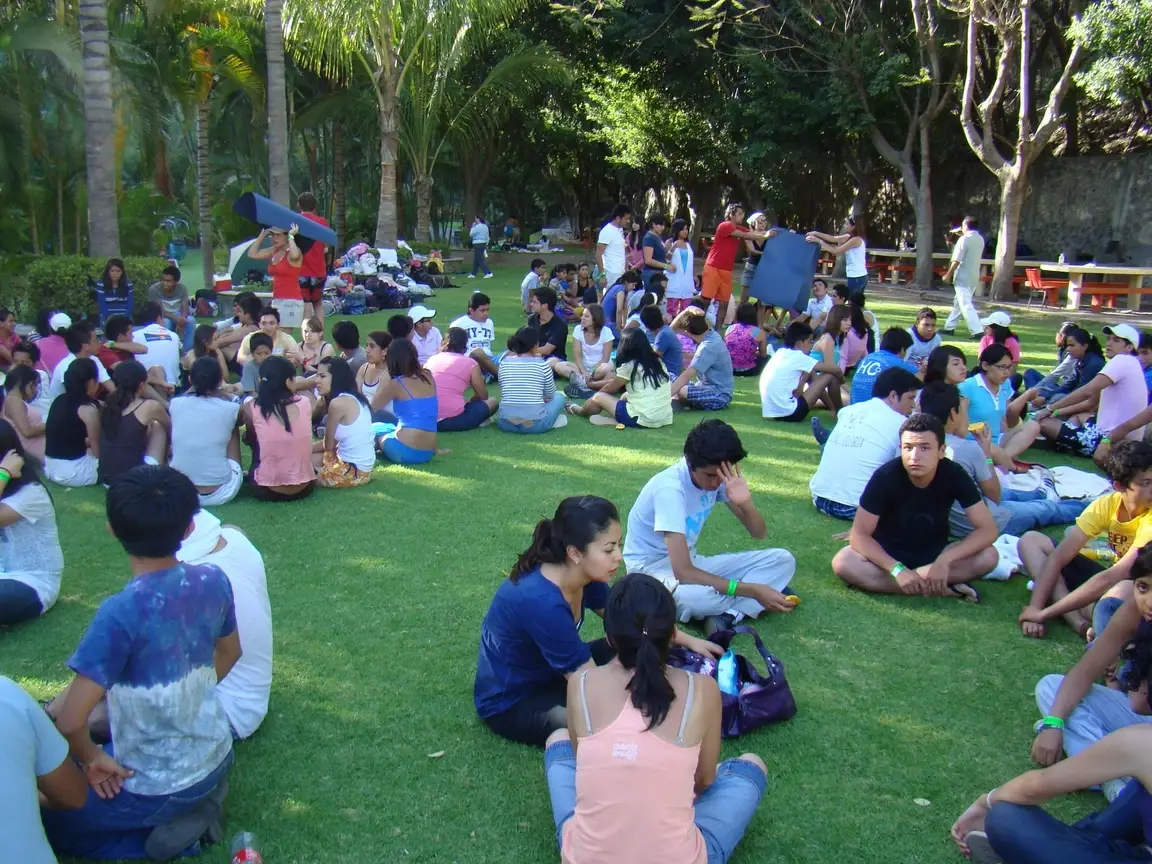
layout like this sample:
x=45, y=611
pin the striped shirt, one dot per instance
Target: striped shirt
x=526, y=383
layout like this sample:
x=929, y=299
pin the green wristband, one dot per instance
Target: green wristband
x=896, y=570
x=1055, y=412
x=1106, y=440
x=5, y=476
x=1050, y=722
x=990, y=461
x=732, y=585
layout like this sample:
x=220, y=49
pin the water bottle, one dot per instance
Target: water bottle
x=726, y=673
x=245, y=850
x=1099, y=550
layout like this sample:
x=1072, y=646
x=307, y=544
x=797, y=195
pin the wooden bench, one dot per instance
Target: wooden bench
x=225, y=299
x=1104, y=294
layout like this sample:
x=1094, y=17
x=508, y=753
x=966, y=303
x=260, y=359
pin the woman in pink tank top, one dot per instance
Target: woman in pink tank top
x=278, y=427
x=639, y=781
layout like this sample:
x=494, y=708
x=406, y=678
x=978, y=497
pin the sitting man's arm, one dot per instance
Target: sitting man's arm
x=1061, y=557
x=861, y=540
x=1088, y=593
x=226, y=653
x=984, y=534
x=740, y=501
x=686, y=377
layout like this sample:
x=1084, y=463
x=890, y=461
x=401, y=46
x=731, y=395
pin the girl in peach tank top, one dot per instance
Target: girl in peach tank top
x=640, y=783
x=23, y=386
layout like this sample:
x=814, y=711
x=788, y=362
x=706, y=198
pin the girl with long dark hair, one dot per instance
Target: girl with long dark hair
x=22, y=388
x=114, y=291
x=851, y=243
x=412, y=392
x=278, y=427
x=455, y=373
x=1087, y=359
x=948, y=364
x=72, y=433
x=647, y=399
x=1044, y=384
x=529, y=403
x=681, y=282
x=989, y=395
x=133, y=428
x=372, y=377
x=30, y=558
x=206, y=434
x=648, y=740
x=347, y=454
x=590, y=366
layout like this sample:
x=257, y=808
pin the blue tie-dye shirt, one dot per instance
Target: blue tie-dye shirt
x=151, y=648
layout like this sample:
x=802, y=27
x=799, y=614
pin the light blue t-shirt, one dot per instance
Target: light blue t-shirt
x=30, y=747
x=151, y=648
x=983, y=407
x=713, y=363
x=869, y=369
x=479, y=234
x=670, y=351
x=669, y=503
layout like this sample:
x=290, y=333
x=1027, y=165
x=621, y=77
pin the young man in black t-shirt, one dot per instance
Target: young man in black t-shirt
x=552, y=328
x=899, y=541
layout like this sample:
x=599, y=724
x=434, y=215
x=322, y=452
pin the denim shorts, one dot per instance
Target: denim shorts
x=722, y=812
x=834, y=508
x=395, y=450
x=624, y=418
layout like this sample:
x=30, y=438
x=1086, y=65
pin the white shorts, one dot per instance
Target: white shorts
x=291, y=313
x=72, y=472
x=229, y=490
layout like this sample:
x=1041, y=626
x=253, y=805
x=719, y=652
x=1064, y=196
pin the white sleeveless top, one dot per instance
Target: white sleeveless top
x=854, y=261
x=355, y=443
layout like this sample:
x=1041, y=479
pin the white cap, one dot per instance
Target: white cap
x=419, y=313
x=59, y=321
x=1126, y=332
x=999, y=318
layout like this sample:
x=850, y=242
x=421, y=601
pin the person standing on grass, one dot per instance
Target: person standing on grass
x=1063, y=574
x=668, y=800
x=172, y=296
x=647, y=399
x=793, y=381
x=1076, y=712
x=716, y=282
x=314, y=268
x=899, y=540
x=893, y=347
x=479, y=236
x=682, y=280
x=154, y=655
x=611, y=248
x=668, y=517
x=481, y=332
x=652, y=246
x=964, y=273
x=530, y=641
x=711, y=368
x=284, y=262
x=865, y=438
x=850, y=243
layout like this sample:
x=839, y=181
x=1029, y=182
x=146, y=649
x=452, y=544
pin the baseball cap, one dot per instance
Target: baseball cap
x=1124, y=331
x=999, y=318
x=419, y=313
x=59, y=321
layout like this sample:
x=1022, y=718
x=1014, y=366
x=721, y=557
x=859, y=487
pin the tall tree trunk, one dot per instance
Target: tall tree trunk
x=338, y=190
x=161, y=174
x=279, y=188
x=423, y=208
x=59, y=212
x=312, y=154
x=1012, y=191
x=204, y=190
x=924, y=221
x=99, y=131
x=33, y=228
x=386, y=222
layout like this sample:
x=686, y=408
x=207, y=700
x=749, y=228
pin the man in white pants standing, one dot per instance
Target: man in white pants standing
x=964, y=273
x=611, y=250
x=668, y=516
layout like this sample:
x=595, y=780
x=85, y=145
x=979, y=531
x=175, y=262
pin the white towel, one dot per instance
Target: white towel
x=1074, y=483
x=1009, y=559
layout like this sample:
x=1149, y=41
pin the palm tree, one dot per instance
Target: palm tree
x=383, y=39
x=99, y=131
x=279, y=188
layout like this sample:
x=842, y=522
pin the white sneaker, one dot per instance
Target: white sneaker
x=1112, y=788
x=561, y=422
x=488, y=275
x=471, y=275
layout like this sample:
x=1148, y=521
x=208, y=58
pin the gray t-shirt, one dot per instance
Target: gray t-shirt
x=713, y=363
x=967, y=454
x=30, y=747
x=250, y=377
x=355, y=359
x=969, y=249
x=202, y=428
x=170, y=303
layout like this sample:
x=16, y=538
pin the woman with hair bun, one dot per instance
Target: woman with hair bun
x=530, y=639
x=642, y=742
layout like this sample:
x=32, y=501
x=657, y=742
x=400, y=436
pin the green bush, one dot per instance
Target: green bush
x=62, y=282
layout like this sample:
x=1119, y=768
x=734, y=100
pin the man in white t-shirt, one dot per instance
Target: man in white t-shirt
x=163, y=345
x=82, y=342
x=611, y=249
x=866, y=436
x=537, y=273
x=244, y=692
x=964, y=273
x=481, y=332
x=819, y=305
x=793, y=381
x=668, y=516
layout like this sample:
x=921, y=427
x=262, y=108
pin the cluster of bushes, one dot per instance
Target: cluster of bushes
x=64, y=282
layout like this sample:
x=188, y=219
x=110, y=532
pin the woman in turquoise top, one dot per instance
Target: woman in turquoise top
x=412, y=391
x=989, y=393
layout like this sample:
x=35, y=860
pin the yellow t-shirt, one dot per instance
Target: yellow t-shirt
x=649, y=406
x=1100, y=520
x=280, y=346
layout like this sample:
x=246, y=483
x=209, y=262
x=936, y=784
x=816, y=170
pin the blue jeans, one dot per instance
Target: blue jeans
x=1029, y=835
x=1105, y=608
x=1031, y=378
x=856, y=284
x=189, y=331
x=723, y=811
x=1035, y=510
x=18, y=602
x=118, y=827
x=479, y=260
x=552, y=410
x=471, y=417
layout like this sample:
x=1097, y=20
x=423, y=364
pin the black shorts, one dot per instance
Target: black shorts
x=1079, y=570
x=796, y=416
x=312, y=289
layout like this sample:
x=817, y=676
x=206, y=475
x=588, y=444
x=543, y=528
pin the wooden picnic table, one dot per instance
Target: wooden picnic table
x=225, y=298
x=1077, y=286
x=987, y=265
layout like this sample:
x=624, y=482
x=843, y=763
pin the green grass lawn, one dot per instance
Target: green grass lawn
x=377, y=597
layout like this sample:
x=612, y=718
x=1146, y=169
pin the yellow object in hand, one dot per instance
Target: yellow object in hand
x=976, y=428
x=792, y=598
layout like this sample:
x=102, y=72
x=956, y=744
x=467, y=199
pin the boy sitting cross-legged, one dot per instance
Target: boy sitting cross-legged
x=152, y=655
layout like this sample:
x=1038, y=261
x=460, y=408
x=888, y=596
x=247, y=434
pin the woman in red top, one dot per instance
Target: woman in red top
x=716, y=281
x=284, y=260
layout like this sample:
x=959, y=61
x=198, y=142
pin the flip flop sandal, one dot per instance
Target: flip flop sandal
x=966, y=592
x=980, y=850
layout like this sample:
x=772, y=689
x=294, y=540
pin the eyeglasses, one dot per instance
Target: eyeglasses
x=1002, y=367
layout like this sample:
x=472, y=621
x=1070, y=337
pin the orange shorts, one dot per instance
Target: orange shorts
x=716, y=284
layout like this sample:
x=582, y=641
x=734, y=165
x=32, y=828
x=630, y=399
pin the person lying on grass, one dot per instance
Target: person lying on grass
x=667, y=800
x=647, y=400
x=149, y=663
x=1076, y=712
x=1073, y=580
x=530, y=640
x=899, y=539
x=669, y=515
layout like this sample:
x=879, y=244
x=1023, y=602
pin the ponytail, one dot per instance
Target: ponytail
x=640, y=621
x=127, y=376
x=546, y=548
x=577, y=522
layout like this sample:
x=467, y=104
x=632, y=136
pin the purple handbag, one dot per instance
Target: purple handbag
x=761, y=699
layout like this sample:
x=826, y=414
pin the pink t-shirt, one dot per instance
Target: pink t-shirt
x=1126, y=397
x=1013, y=346
x=53, y=349
x=453, y=376
x=285, y=455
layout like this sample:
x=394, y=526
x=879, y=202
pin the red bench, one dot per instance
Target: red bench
x=1104, y=294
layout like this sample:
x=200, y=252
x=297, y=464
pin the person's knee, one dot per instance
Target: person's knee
x=1046, y=690
x=1034, y=541
x=558, y=737
x=986, y=561
x=755, y=760
x=842, y=562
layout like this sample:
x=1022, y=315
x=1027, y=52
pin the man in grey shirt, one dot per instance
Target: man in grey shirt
x=711, y=366
x=172, y=296
x=964, y=273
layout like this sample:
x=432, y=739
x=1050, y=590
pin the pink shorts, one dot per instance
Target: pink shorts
x=676, y=305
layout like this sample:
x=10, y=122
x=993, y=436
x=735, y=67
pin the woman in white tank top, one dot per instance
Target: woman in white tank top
x=851, y=245
x=347, y=454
